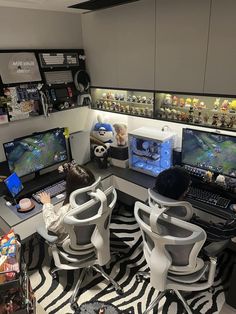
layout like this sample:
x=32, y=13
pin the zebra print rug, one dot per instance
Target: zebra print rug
x=54, y=295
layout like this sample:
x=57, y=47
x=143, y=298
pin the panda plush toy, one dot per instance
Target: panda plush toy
x=101, y=156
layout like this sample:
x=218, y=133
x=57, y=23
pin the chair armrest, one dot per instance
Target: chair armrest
x=215, y=248
x=43, y=232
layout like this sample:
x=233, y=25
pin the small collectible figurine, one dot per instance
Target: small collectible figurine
x=142, y=111
x=121, y=133
x=220, y=179
x=129, y=98
x=195, y=103
x=138, y=99
x=231, y=121
x=134, y=98
x=178, y=113
x=188, y=102
x=223, y=120
x=232, y=106
x=207, y=177
x=144, y=99
x=175, y=101
x=168, y=100
x=198, y=119
x=104, y=95
x=146, y=111
x=215, y=119
x=173, y=114
x=181, y=102
x=217, y=104
x=206, y=118
x=190, y=117
x=122, y=97
x=225, y=105
x=202, y=105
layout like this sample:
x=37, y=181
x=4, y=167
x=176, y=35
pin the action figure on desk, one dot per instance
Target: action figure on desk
x=174, y=183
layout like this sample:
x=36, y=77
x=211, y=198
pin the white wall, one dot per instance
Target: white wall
x=24, y=28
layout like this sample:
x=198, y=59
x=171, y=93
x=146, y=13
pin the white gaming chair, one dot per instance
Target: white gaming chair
x=178, y=209
x=171, y=247
x=88, y=243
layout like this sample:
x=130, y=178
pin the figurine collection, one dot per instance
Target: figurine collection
x=131, y=104
x=216, y=112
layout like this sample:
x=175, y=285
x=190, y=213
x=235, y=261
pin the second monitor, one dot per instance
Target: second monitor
x=35, y=152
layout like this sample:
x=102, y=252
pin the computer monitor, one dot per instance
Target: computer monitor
x=35, y=152
x=210, y=151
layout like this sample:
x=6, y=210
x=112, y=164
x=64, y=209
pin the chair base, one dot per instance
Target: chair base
x=74, y=297
x=145, y=275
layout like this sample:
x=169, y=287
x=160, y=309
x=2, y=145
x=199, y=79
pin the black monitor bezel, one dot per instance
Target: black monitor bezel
x=35, y=134
x=189, y=164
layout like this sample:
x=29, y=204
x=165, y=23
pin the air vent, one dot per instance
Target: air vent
x=94, y=5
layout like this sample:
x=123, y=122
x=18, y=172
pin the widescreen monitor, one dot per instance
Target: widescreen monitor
x=211, y=151
x=35, y=152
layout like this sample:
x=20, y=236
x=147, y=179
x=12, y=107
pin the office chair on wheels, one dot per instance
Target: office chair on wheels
x=88, y=243
x=171, y=248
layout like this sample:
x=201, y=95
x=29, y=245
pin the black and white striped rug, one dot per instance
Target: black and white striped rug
x=54, y=296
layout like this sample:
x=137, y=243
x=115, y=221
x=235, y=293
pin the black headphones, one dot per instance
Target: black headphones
x=82, y=81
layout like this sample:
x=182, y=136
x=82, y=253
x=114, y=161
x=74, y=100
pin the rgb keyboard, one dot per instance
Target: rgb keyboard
x=208, y=197
x=53, y=190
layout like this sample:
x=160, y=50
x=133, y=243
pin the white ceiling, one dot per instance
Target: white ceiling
x=49, y=5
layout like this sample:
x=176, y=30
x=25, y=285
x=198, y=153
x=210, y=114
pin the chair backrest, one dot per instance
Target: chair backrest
x=170, y=244
x=87, y=223
x=179, y=209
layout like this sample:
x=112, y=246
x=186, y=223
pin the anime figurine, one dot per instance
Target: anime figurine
x=202, y=105
x=142, y=111
x=104, y=95
x=127, y=109
x=225, y=105
x=175, y=101
x=181, y=102
x=231, y=121
x=146, y=111
x=220, y=179
x=129, y=98
x=232, y=106
x=206, y=118
x=121, y=133
x=207, y=177
x=215, y=119
x=217, y=104
x=139, y=99
x=195, y=103
x=144, y=99
x=173, y=114
x=188, y=102
x=134, y=98
x=198, y=119
x=178, y=113
x=122, y=97
x=168, y=100
x=190, y=117
x=223, y=120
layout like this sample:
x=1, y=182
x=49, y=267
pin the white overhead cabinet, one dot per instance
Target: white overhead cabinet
x=136, y=44
x=120, y=45
x=181, y=44
x=221, y=60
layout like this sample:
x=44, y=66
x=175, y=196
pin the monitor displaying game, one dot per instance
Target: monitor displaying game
x=211, y=151
x=35, y=152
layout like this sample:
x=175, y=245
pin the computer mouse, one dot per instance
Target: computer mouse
x=233, y=207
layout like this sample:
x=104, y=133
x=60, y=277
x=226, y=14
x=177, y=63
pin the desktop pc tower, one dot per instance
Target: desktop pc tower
x=80, y=147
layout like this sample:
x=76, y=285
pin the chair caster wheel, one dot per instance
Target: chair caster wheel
x=119, y=291
x=139, y=278
x=54, y=276
x=74, y=306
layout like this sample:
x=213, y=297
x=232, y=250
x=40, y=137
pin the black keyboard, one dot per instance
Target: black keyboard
x=54, y=190
x=208, y=197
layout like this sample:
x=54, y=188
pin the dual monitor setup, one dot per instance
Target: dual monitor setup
x=202, y=150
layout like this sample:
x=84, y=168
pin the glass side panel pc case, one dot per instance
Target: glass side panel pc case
x=150, y=150
x=138, y=103
x=209, y=111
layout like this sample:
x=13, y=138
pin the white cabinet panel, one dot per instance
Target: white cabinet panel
x=181, y=44
x=221, y=65
x=99, y=37
x=120, y=45
x=136, y=44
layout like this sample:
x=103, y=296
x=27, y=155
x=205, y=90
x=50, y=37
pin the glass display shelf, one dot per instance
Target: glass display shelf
x=218, y=112
x=130, y=102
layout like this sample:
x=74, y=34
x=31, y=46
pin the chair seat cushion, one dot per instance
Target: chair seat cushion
x=189, y=278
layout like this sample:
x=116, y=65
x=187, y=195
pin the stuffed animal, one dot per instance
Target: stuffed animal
x=101, y=156
x=103, y=132
x=121, y=133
